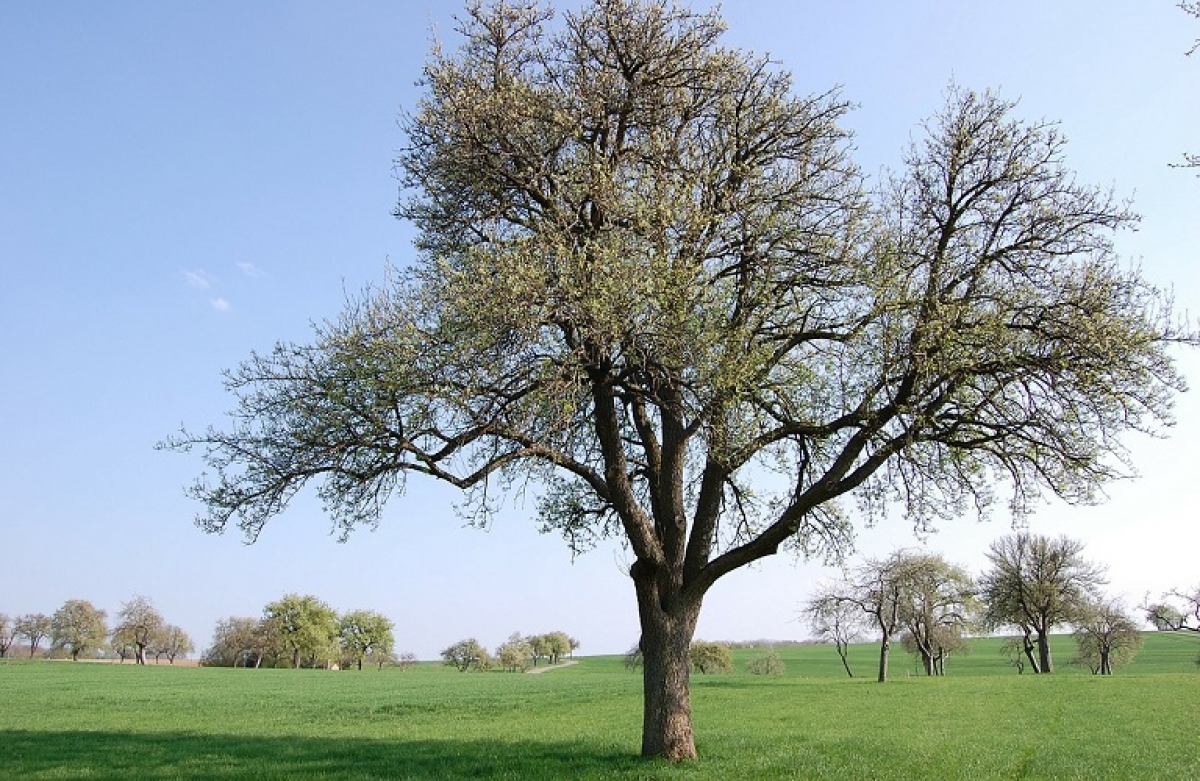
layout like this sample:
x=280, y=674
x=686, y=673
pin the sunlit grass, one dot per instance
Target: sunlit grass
x=64, y=720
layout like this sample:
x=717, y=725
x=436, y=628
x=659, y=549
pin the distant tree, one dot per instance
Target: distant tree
x=633, y=657
x=710, y=658
x=34, y=627
x=138, y=625
x=466, y=655
x=767, y=664
x=1179, y=611
x=238, y=642
x=77, y=627
x=574, y=645
x=406, y=660
x=120, y=642
x=648, y=268
x=556, y=645
x=835, y=619
x=1106, y=636
x=937, y=608
x=171, y=642
x=876, y=588
x=540, y=646
x=306, y=628
x=515, y=654
x=8, y=634
x=365, y=632
x=1036, y=584
x=935, y=646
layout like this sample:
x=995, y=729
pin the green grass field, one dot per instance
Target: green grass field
x=64, y=720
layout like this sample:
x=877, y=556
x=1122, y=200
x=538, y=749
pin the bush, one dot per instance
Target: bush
x=767, y=664
x=711, y=657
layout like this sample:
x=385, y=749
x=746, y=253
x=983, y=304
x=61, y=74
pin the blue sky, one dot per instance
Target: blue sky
x=182, y=183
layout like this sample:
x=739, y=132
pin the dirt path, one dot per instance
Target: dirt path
x=540, y=670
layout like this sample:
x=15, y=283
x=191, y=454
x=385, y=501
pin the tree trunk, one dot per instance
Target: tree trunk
x=667, y=629
x=842, y=650
x=885, y=645
x=1045, y=662
x=1029, y=647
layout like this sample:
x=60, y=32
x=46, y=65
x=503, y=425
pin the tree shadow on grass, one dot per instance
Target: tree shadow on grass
x=99, y=754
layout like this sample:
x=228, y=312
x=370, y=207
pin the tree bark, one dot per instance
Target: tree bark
x=667, y=628
x=1045, y=661
x=1029, y=647
x=885, y=645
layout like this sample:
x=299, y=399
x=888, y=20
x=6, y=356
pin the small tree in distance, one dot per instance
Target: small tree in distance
x=305, y=627
x=138, y=626
x=1179, y=611
x=78, y=627
x=1106, y=636
x=709, y=658
x=516, y=653
x=8, y=634
x=34, y=627
x=1036, y=584
x=173, y=643
x=466, y=655
x=364, y=633
x=768, y=664
x=835, y=619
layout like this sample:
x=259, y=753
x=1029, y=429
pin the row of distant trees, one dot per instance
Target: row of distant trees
x=303, y=631
x=79, y=628
x=1034, y=585
x=516, y=654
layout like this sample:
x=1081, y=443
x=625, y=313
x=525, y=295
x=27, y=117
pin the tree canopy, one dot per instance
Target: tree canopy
x=78, y=626
x=649, y=273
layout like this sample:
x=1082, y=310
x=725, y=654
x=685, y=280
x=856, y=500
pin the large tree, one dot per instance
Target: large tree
x=649, y=274
x=78, y=626
x=1035, y=584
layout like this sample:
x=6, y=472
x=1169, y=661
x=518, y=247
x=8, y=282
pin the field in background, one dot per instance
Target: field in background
x=63, y=720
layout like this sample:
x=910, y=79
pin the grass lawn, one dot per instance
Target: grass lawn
x=64, y=720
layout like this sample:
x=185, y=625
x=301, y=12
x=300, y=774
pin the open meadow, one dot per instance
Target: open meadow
x=65, y=720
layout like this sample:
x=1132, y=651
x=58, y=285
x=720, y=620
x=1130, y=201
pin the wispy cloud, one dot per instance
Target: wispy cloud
x=221, y=305
x=198, y=278
x=250, y=270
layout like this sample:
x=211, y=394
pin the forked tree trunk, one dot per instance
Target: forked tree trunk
x=667, y=629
